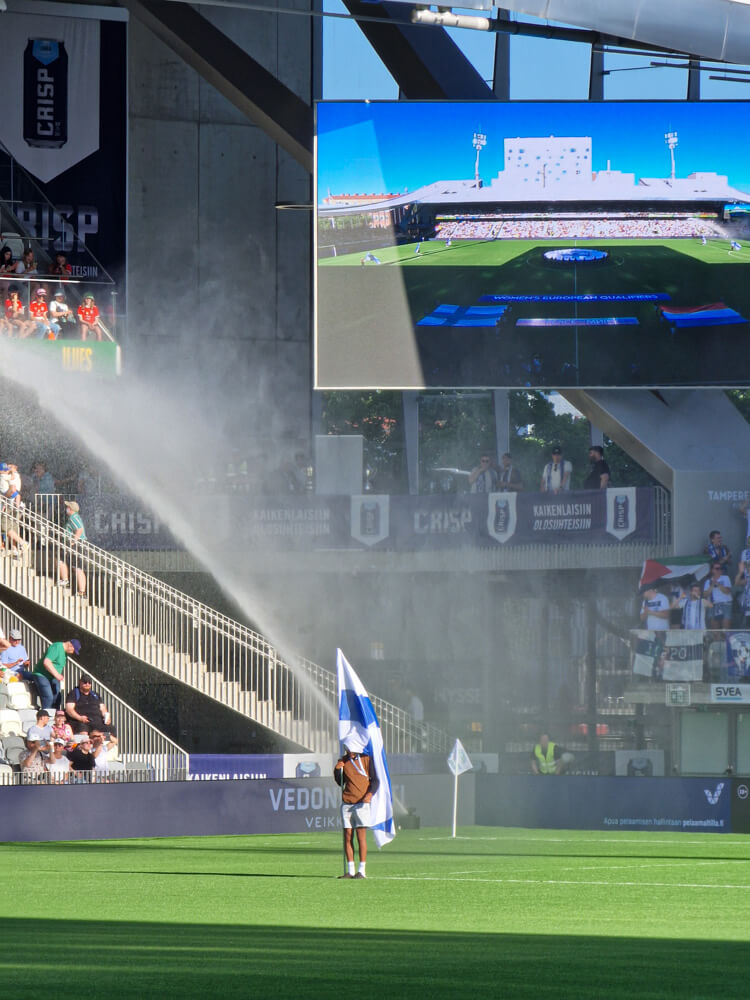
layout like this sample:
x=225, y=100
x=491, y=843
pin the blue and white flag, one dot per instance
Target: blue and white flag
x=359, y=730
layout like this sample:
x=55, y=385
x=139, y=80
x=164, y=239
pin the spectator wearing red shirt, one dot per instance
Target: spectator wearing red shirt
x=88, y=317
x=61, y=268
x=46, y=329
x=14, y=319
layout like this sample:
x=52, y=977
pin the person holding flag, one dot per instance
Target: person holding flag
x=362, y=771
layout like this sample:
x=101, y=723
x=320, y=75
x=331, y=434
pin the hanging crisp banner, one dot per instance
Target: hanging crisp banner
x=63, y=124
x=399, y=523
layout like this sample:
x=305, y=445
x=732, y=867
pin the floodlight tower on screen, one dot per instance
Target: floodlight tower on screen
x=569, y=257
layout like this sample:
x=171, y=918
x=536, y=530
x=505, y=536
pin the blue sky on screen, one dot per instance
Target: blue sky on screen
x=397, y=146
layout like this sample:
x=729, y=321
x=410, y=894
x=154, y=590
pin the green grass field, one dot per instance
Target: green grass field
x=496, y=912
x=367, y=315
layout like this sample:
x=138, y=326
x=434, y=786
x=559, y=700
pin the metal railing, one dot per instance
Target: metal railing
x=137, y=739
x=184, y=638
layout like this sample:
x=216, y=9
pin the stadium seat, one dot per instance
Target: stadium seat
x=10, y=723
x=13, y=754
x=27, y=716
x=9, y=742
x=19, y=697
x=6, y=774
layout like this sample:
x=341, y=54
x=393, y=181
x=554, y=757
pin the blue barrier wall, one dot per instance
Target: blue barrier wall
x=560, y=802
x=198, y=808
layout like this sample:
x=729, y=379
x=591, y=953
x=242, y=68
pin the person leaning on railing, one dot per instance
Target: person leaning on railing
x=47, y=675
x=76, y=532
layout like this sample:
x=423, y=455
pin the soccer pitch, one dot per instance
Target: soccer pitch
x=368, y=314
x=495, y=912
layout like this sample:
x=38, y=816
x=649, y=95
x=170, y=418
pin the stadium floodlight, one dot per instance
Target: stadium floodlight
x=479, y=141
x=671, y=140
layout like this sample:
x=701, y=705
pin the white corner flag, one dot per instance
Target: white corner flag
x=458, y=759
x=359, y=729
x=458, y=762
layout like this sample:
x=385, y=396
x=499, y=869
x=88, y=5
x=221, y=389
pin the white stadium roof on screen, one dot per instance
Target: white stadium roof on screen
x=556, y=168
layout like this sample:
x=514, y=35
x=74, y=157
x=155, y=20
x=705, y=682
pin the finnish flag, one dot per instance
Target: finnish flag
x=359, y=730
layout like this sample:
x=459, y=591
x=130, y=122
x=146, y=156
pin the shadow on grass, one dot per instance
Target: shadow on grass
x=132, y=959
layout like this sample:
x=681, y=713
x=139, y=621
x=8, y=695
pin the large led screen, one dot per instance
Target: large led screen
x=532, y=244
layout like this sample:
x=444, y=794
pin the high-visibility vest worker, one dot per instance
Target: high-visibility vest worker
x=545, y=761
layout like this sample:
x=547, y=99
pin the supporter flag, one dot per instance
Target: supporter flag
x=652, y=571
x=674, y=655
x=359, y=730
x=458, y=759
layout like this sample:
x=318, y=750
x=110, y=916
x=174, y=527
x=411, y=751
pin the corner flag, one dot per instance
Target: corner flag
x=458, y=759
x=359, y=730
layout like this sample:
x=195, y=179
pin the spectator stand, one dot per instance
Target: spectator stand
x=142, y=748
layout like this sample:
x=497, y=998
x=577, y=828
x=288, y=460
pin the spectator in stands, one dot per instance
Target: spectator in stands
x=48, y=672
x=27, y=264
x=85, y=708
x=60, y=268
x=80, y=755
x=88, y=481
x=88, y=318
x=717, y=551
x=99, y=751
x=483, y=478
x=718, y=589
x=598, y=477
x=7, y=264
x=693, y=608
x=16, y=322
x=549, y=758
x=45, y=328
x=556, y=474
x=9, y=502
x=76, y=533
x=654, y=610
x=742, y=579
x=509, y=478
x=61, y=728
x=14, y=659
x=61, y=313
x=59, y=764
x=42, y=730
x=33, y=761
x=3, y=641
x=41, y=480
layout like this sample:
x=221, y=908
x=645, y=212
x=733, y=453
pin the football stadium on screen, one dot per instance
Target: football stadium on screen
x=532, y=244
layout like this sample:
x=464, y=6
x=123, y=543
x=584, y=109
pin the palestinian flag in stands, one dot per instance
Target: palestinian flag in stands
x=654, y=572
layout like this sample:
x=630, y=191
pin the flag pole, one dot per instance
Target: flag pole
x=455, y=801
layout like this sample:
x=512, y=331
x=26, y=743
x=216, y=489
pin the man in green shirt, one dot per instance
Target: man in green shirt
x=47, y=675
x=76, y=533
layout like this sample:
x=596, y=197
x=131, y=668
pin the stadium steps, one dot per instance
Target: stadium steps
x=172, y=632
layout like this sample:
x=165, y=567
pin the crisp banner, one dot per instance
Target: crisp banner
x=390, y=522
x=64, y=120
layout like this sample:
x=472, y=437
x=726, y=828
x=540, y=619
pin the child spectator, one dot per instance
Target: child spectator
x=61, y=313
x=16, y=323
x=45, y=328
x=61, y=729
x=693, y=608
x=88, y=318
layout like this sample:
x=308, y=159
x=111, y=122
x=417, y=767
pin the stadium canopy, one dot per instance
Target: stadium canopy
x=712, y=29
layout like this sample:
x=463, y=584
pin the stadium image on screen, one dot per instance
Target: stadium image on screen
x=513, y=244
